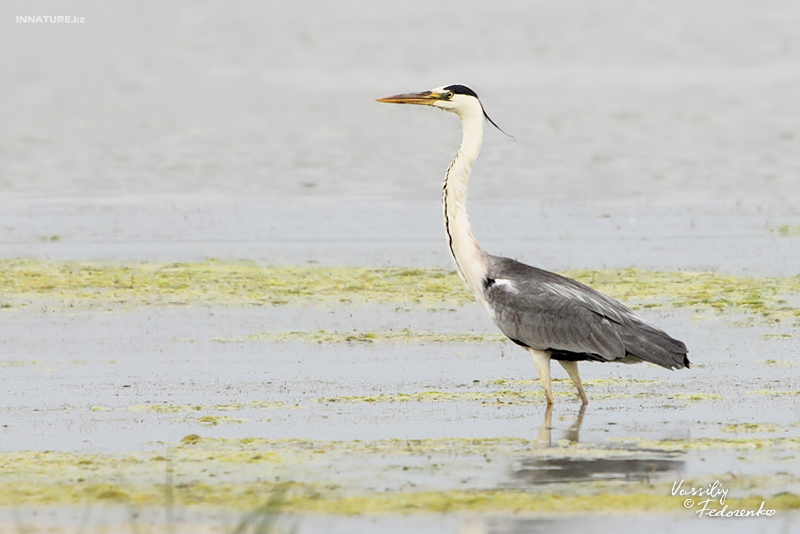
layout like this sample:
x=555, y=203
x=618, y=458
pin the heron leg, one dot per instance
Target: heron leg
x=541, y=359
x=572, y=370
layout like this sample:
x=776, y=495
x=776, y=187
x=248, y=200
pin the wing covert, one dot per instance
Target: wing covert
x=546, y=311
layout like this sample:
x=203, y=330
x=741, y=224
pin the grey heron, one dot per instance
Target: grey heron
x=551, y=316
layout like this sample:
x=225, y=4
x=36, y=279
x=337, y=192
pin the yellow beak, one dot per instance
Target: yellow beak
x=426, y=98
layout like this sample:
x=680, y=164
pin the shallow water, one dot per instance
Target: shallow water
x=616, y=102
x=460, y=524
x=650, y=137
x=737, y=237
x=61, y=365
x=139, y=380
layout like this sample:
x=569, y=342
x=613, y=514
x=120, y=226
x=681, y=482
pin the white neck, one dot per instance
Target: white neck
x=468, y=256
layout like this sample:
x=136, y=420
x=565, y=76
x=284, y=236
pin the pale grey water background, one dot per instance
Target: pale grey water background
x=186, y=130
x=649, y=134
x=625, y=101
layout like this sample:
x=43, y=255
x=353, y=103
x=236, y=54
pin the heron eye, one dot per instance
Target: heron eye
x=448, y=95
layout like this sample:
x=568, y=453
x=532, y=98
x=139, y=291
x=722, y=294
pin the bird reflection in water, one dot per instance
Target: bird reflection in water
x=544, y=439
x=618, y=464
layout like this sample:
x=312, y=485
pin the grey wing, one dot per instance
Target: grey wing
x=546, y=311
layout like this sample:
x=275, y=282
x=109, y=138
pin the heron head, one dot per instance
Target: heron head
x=456, y=98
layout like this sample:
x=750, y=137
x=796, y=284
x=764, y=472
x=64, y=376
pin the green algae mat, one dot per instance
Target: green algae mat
x=242, y=474
x=249, y=283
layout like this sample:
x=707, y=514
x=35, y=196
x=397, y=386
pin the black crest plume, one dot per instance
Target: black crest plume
x=459, y=89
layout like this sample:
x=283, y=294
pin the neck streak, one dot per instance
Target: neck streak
x=468, y=256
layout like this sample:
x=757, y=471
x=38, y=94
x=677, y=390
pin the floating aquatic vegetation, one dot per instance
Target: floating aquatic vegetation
x=84, y=283
x=392, y=336
x=238, y=474
x=787, y=230
x=774, y=392
x=179, y=408
x=532, y=395
x=695, y=396
x=778, y=363
x=783, y=443
x=246, y=282
x=214, y=420
x=750, y=427
x=494, y=397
